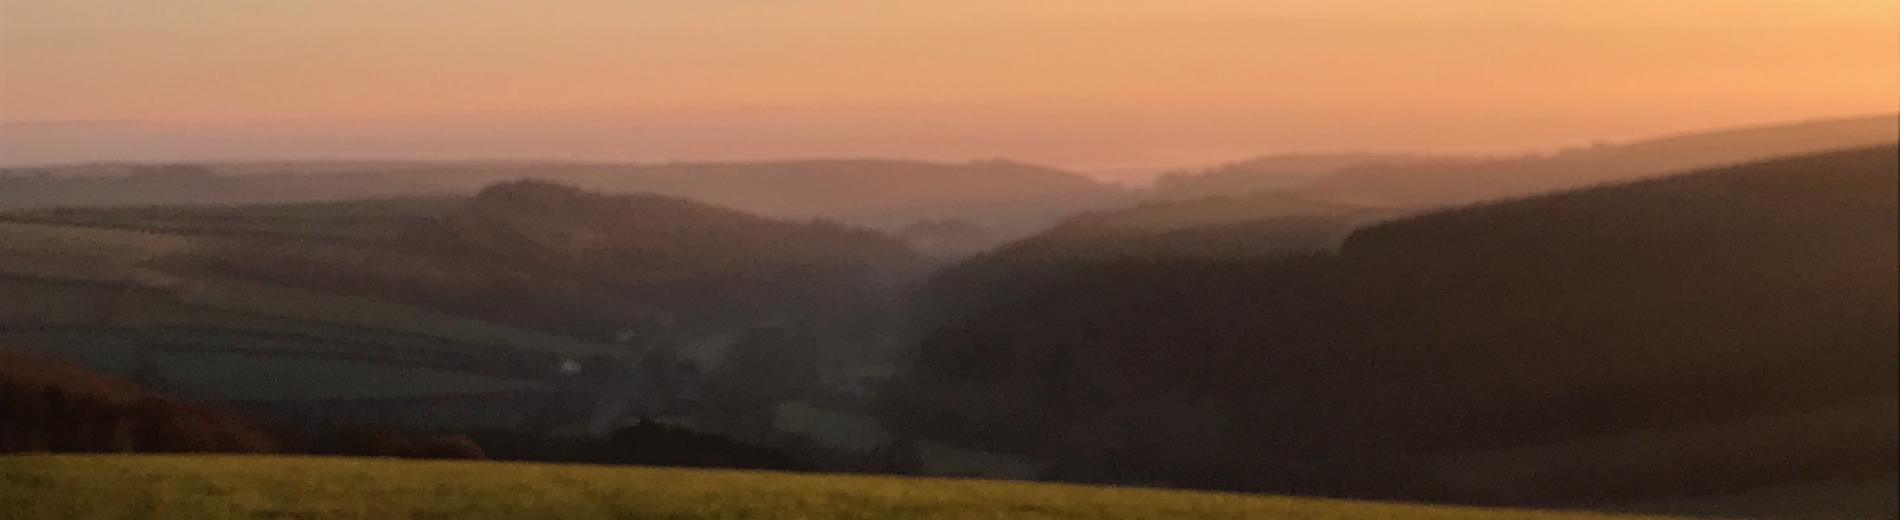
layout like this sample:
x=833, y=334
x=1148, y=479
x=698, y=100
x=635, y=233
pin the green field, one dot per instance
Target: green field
x=199, y=487
x=112, y=245
x=99, y=287
x=374, y=220
x=129, y=245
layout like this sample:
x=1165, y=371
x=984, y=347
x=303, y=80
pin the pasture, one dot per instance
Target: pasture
x=221, y=487
x=105, y=288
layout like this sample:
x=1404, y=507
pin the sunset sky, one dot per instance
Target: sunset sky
x=1078, y=83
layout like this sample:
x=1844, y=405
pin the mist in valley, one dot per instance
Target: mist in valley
x=1438, y=272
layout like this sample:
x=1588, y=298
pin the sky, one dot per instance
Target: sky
x=1090, y=84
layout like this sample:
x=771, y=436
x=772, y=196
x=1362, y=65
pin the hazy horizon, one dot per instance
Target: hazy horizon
x=162, y=143
x=1095, y=86
x=1083, y=258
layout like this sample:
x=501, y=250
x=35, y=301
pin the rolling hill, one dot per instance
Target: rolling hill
x=511, y=310
x=1739, y=321
x=1283, y=205
x=1257, y=226
x=1007, y=199
x=554, y=244
x=1279, y=172
x=1415, y=181
x=1449, y=183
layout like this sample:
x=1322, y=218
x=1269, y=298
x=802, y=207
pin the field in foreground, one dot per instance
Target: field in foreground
x=208, y=487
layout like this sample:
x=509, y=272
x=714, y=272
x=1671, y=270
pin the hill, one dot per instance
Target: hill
x=523, y=308
x=49, y=405
x=1738, y=322
x=538, y=240
x=320, y=488
x=1454, y=182
x=1257, y=226
x=1281, y=205
x=1279, y=172
x=1421, y=181
x=1004, y=197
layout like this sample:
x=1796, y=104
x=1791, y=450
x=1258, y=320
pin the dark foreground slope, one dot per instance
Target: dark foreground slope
x=49, y=405
x=1691, y=335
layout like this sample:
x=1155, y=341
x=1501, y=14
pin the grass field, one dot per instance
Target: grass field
x=201, y=487
x=82, y=252
x=375, y=220
x=128, y=245
x=323, y=307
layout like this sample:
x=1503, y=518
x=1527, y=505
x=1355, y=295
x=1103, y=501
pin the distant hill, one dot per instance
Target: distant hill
x=1698, y=334
x=638, y=261
x=1298, y=203
x=867, y=191
x=1007, y=197
x=590, y=263
x=1420, y=181
x=1454, y=182
x=1279, y=172
x=642, y=238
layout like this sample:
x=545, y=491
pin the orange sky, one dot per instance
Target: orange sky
x=1086, y=83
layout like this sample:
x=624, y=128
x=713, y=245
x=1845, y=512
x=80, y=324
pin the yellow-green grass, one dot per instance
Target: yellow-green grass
x=372, y=220
x=215, y=487
x=130, y=245
x=81, y=253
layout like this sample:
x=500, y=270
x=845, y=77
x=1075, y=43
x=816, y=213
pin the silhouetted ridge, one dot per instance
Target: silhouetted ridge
x=1738, y=322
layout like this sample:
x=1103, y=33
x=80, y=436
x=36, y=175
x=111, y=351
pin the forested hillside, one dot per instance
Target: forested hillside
x=1738, y=323
x=1253, y=227
x=1281, y=205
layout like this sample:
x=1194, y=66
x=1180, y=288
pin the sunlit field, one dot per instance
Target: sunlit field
x=210, y=487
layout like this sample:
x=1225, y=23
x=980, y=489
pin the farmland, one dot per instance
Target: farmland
x=388, y=311
x=102, y=287
x=321, y=488
x=366, y=221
